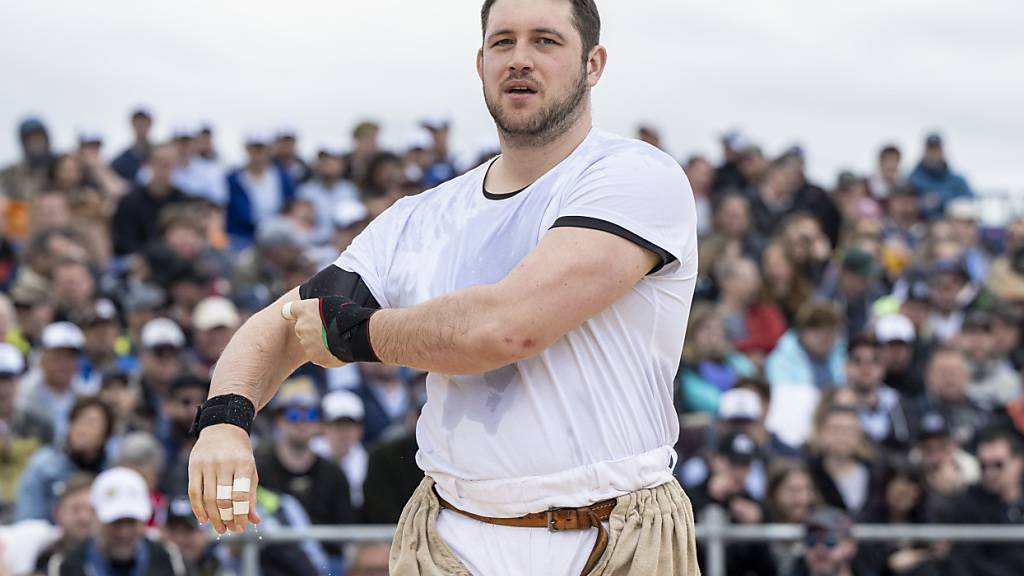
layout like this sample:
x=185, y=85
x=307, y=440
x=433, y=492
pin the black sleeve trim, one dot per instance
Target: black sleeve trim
x=597, y=224
x=333, y=281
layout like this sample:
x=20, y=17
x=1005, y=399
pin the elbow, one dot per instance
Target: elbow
x=502, y=343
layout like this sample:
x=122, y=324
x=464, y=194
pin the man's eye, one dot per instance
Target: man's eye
x=548, y=41
x=505, y=42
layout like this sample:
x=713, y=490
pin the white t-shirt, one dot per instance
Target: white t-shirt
x=591, y=417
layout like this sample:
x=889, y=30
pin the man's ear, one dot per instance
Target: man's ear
x=596, y=62
x=480, y=63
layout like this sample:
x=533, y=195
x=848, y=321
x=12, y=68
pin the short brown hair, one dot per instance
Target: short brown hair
x=585, y=17
x=818, y=315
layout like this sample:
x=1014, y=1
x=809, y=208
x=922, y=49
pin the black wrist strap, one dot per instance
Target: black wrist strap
x=347, y=329
x=226, y=409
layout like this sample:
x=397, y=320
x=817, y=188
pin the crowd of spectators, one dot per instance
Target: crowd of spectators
x=853, y=352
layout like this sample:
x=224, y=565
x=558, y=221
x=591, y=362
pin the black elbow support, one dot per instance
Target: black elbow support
x=346, y=305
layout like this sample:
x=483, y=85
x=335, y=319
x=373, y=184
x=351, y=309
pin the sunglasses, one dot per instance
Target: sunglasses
x=296, y=415
x=829, y=539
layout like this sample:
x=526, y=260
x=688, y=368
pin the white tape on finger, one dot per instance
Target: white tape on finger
x=286, y=311
x=224, y=492
x=226, y=513
x=242, y=484
x=240, y=508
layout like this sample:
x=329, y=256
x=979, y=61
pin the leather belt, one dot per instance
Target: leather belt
x=556, y=520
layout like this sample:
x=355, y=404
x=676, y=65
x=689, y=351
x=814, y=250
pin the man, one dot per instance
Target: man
x=897, y=338
x=830, y=549
x=994, y=381
x=442, y=165
x=881, y=415
x=946, y=379
x=853, y=284
x=49, y=390
x=286, y=157
x=256, y=192
x=130, y=162
x=340, y=443
x=997, y=499
x=122, y=506
x=73, y=289
x=936, y=181
x=888, y=178
x=21, y=432
x=546, y=293
x=161, y=359
x=102, y=331
x=136, y=220
x=20, y=182
x=385, y=398
x=947, y=467
x=214, y=321
x=326, y=189
x=812, y=353
x=182, y=530
x=75, y=517
x=364, y=150
x=948, y=287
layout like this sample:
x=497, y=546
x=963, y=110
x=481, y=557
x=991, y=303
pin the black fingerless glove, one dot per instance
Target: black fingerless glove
x=346, y=327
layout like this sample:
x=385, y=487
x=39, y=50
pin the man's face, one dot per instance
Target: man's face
x=141, y=125
x=76, y=516
x=896, y=356
x=72, y=285
x=284, y=148
x=184, y=402
x=161, y=364
x=904, y=208
x=59, y=366
x=36, y=144
x=944, y=289
x=211, y=343
x=948, y=375
x=852, y=285
x=935, y=451
x=298, y=425
x=189, y=539
x=100, y=337
x=934, y=156
x=818, y=341
x=977, y=343
x=162, y=164
x=1001, y=469
x=343, y=435
x=827, y=553
x=734, y=217
x=535, y=81
x=259, y=154
x=889, y=166
x=330, y=167
x=841, y=434
x=118, y=539
x=864, y=370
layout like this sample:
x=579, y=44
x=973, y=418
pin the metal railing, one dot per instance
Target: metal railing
x=714, y=530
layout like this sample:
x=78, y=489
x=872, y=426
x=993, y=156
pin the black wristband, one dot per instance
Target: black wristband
x=347, y=329
x=227, y=409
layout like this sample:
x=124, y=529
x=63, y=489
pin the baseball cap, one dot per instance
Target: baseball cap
x=63, y=335
x=142, y=297
x=932, y=425
x=12, y=362
x=342, y=404
x=738, y=448
x=121, y=493
x=162, y=332
x=298, y=391
x=31, y=125
x=933, y=140
x=419, y=139
x=330, y=148
x=90, y=136
x=257, y=138
x=215, y=312
x=830, y=520
x=846, y=180
x=962, y=209
x=859, y=262
x=102, y=311
x=286, y=133
x=894, y=328
x=349, y=212
x=142, y=110
x=740, y=404
x=436, y=122
x=950, y=266
x=179, y=510
x=735, y=140
x=183, y=132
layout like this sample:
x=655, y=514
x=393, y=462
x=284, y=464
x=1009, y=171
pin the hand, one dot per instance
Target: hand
x=309, y=329
x=907, y=559
x=745, y=511
x=721, y=487
x=222, y=455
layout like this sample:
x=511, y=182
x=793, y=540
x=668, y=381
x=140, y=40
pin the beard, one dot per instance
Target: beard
x=545, y=126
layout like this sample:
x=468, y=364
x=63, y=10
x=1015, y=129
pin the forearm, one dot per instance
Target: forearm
x=261, y=354
x=465, y=332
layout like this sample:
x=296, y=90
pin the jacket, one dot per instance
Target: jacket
x=938, y=186
x=241, y=214
x=85, y=560
x=789, y=364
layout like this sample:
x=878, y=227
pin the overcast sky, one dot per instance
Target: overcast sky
x=840, y=78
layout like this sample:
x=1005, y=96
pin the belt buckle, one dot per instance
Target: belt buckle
x=551, y=519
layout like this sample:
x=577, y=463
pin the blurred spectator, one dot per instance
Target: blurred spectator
x=21, y=433
x=340, y=442
x=120, y=546
x=730, y=466
x=946, y=466
x=214, y=322
x=1007, y=325
x=732, y=236
x=130, y=162
x=21, y=181
x=728, y=175
x=326, y=189
x=161, y=359
x=701, y=175
x=260, y=269
x=290, y=466
x=442, y=164
x=878, y=406
x=962, y=215
x=364, y=149
x=348, y=219
x=256, y=192
x=391, y=471
x=810, y=354
x=122, y=395
x=887, y=178
x=284, y=152
x=786, y=286
x=385, y=398
x=790, y=499
x=101, y=330
x=76, y=518
x=709, y=365
x=947, y=378
x=187, y=392
x=370, y=559
x=1006, y=279
x=994, y=381
x=997, y=499
x=842, y=462
x=936, y=181
x=830, y=548
x=753, y=323
x=902, y=221
x=49, y=389
x=896, y=337
x=140, y=451
x=82, y=451
x=184, y=532
x=853, y=285
x=136, y=221
x=73, y=289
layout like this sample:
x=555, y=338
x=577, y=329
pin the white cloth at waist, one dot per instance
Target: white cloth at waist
x=573, y=488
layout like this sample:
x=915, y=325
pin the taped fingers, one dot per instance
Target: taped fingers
x=240, y=489
x=210, y=507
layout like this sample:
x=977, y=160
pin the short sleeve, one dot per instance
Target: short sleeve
x=372, y=251
x=641, y=195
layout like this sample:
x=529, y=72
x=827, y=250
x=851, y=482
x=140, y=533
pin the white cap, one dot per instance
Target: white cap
x=436, y=122
x=419, y=139
x=342, y=404
x=183, y=131
x=121, y=493
x=347, y=212
x=63, y=335
x=89, y=135
x=215, y=312
x=740, y=404
x=257, y=138
x=962, y=209
x=331, y=148
x=894, y=328
x=11, y=360
x=162, y=332
x=285, y=132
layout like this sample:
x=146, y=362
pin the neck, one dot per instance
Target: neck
x=866, y=396
x=523, y=162
x=838, y=464
x=295, y=460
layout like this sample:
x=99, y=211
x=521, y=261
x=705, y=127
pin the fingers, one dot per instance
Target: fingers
x=195, y=494
x=210, y=501
x=253, y=516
